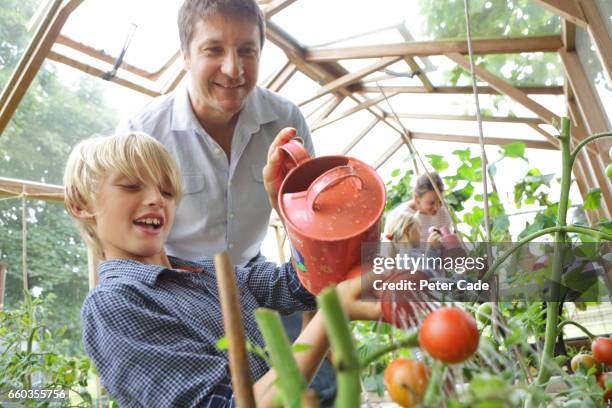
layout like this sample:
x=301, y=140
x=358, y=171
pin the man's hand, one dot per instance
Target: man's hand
x=274, y=170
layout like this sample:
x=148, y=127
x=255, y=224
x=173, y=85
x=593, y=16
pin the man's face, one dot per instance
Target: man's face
x=223, y=60
x=133, y=218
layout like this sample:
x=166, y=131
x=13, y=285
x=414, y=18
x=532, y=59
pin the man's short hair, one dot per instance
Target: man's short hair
x=193, y=11
x=136, y=156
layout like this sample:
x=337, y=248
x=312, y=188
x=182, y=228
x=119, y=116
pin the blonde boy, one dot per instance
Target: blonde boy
x=152, y=323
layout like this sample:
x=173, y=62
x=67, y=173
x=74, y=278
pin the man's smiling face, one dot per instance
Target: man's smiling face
x=224, y=61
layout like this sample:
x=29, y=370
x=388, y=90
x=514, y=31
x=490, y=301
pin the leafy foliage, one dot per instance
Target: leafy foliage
x=497, y=18
x=31, y=355
x=49, y=121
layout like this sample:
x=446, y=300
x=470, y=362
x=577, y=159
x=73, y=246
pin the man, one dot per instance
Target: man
x=219, y=125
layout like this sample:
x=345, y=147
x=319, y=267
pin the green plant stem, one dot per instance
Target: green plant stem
x=411, y=340
x=565, y=228
x=583, y=143
x=432, y=392
x=291, y=381
x=578, y=325
x=552, y=307
x=344, y=353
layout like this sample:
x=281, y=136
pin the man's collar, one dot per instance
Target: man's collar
x=253, y=114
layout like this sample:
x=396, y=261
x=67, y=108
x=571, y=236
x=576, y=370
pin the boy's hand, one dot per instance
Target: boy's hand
x=350, y=291
x=274, y=170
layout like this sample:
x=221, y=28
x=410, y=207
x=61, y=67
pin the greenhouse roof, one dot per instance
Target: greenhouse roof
x=371, y=78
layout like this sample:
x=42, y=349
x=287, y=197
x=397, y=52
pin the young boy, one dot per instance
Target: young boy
x=152, y=323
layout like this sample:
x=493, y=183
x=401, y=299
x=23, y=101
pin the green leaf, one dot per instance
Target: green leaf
x=222, y=343
x=492, y=169
x=593, y=199
x=395, y=173
x=514, y=150
x=485, y=386
x=463, y=155
x=437, y=162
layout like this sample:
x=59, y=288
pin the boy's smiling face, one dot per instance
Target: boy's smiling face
x=133, y=218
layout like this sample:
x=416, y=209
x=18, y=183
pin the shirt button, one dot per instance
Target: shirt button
x=231, y=216
x=231, y=246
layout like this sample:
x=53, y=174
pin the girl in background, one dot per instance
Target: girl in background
x=425, y=207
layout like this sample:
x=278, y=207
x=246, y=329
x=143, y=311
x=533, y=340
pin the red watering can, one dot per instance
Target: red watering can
x=330, y=205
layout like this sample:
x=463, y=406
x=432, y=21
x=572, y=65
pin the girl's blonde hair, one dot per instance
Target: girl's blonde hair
x=136, y=156
x=399, y=225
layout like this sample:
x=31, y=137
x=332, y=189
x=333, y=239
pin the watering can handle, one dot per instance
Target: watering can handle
x=297, y=153
x=329, y=179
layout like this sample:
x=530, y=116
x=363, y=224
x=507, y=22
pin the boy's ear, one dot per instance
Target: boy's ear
x=80, y=213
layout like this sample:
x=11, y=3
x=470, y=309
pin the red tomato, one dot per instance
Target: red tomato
x=449, y=335
x=601, y=379
x=602, y=350
x=400, y=307
x=406, y=381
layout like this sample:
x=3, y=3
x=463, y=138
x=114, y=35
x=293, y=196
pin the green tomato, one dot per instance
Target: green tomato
x=484, y=312
x=609, y=171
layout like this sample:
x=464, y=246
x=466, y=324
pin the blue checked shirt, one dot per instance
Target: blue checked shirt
x=152, y=331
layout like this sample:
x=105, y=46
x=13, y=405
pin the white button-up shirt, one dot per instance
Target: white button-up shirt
x=225, y=206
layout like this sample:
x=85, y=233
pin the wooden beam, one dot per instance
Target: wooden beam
x=33, y=57
x=588, y=102
x=280, y=79
x=502, y=119
x=583, y=186
x=349, y=112
x=350, y=78
x=425, y=48
x=360, y=136
x=597, y=170
x=97, y=72
x=47, y=192
x=546, y=135
x=331, y=106
x=389, y=152
x=414, y=67
x=485, y=90
x=102, y=56
x=507, y=89
x=568, y=34
x=567, y=9
x=495, y=141
x=277, y=7
x=411, y=61
x=599, y=36
x=174, y=81
x=320, y=73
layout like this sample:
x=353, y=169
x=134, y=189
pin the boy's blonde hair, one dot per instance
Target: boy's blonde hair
x=136, y=156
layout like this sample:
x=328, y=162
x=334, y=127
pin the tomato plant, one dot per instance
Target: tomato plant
x=484, y=312
x=449, y=335
x=406, y=381
x=602, y=379
x=583, y=360
x=602, y=350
